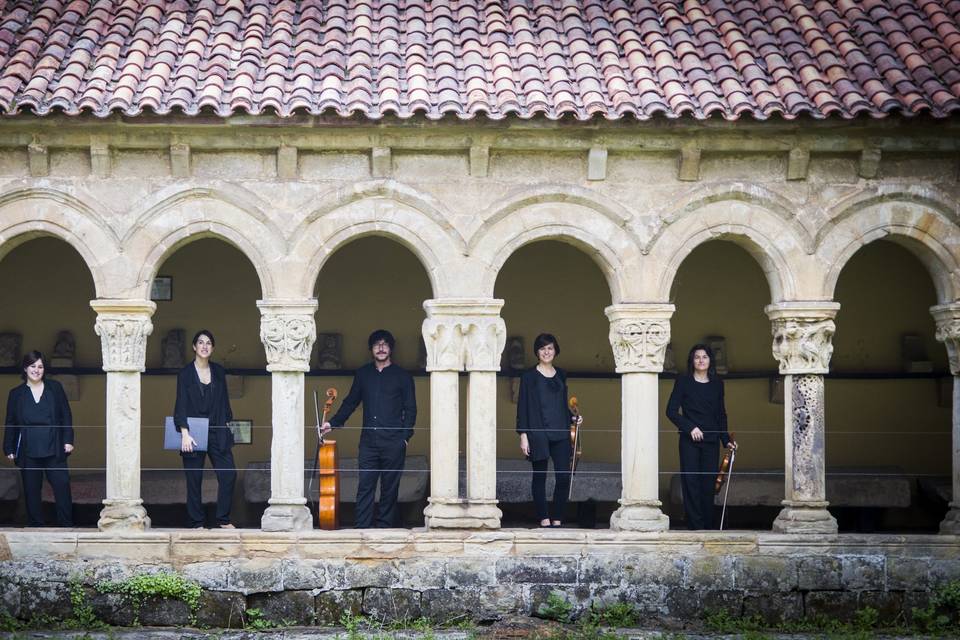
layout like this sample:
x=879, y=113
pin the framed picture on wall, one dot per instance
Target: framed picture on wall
x=242, y=431
x=162, y=288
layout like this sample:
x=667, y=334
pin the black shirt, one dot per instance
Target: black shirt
x=39, y=436
x=699, y=404
x=552, y=408
x=389, y=401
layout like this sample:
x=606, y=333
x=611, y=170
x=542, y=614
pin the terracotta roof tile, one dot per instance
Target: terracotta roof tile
x=525, y=58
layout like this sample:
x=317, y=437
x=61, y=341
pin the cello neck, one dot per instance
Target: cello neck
x=316, y=412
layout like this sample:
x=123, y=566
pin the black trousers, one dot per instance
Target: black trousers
x=222, y=462
x=699, y=465
x=560, y=451
x=380, y=459
x=59, y=478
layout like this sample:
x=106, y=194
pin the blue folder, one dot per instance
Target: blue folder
x=199, y=430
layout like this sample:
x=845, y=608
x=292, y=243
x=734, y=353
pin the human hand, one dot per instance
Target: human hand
x=187, y=443
x=696, y=435
x=524, y=444
x=579, y=420
x=732, y=445
x=10, y=456
x=68, y=448
x=325, y=428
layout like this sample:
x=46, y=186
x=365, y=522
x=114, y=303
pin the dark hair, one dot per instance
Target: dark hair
x=28, y=359
x=203, y=332
x=543, y=340
x=378, y=335
x=711, y=370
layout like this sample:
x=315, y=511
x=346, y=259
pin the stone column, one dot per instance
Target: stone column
x=288, y=331
x=463, y=333
x=123, y=327
x=802, y=344
x=948, y=332
x=639, y=334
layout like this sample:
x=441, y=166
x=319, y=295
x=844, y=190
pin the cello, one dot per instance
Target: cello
x=723, y=477
x=577, y=448
x=326, y=468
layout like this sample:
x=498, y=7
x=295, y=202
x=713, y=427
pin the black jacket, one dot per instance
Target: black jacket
x=189, y=402
x=389, y=402
x=699, y=404
x=63, y=418
x=530, y=416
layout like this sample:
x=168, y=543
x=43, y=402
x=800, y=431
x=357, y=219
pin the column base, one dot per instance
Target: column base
x=951, y=522
x=805, y=517
x=123, y=515
x=639, y=515
x=457, y=513
x=286, y=517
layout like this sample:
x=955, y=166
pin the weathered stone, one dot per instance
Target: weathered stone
x=221, y=610
x=387, y=605
x=330, y=606
x=450, y=606
x=255, y=576
x=164, y=612
x=773, y=608
x=818, y=574
x=285, y=608
x=45, y=600
x=370, y=573
x=499, y=600
x=765, y=573
x=577, y=596
x=537, y=570
x=469, y=572
x=209, y=575
x=944, y=571
x=831, y=604
x=304, y=574
x=645, y=568
x=887, y=604
x=9, y=597
x=112, y=608
x=650, y=599
x=422, y=573
x=908, y=574
x=863, y=573
x=714, y=573
x=601, y=569
x=684, y=604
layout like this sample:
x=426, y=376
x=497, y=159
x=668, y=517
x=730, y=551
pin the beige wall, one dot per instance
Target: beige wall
x=884, y=292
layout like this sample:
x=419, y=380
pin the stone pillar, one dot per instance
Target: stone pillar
x=948, y=332
x=123, y=327
x=802, y=344
x=288, y=331
x=639, y=334
x=463, y=333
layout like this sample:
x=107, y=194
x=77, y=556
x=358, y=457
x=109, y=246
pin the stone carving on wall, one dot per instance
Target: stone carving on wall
x=639, y=344
x=10, y=349
x=803, y=346
x=287, y=341
x=515, y=354
x=124, y=341
x=445, y=343
x=329, y=351
x=485, y=338
x=173, y=346
x=63, y=351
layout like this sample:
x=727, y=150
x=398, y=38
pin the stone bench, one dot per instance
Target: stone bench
x=156, y=487
x=597, y=481
x=414, y=483
x=872, y=487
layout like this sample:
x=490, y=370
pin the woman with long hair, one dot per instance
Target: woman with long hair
x=696, y=407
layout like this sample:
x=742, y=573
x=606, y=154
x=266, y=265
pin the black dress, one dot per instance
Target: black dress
x=36, y=432
x=197, y=400
x=699, y=404
x=543, y=415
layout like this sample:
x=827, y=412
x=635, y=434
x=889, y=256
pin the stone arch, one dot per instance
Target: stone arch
x=759, y=231
x=532, y=218
x=382, y=208
x=921, y=225
x=32, y=212
x=185, y=216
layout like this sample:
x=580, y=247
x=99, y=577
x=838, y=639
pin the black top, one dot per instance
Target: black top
x=389, y=401
x=553, y=407
x=699, y=404
x=35, y=429
x=196, y=400
x=530, y=413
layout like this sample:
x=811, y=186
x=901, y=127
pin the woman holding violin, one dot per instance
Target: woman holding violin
x=543, y=422
x=696, y=407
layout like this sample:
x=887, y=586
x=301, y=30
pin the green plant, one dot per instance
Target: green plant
x=8, y=623
x=137, y=589
x=82, y=616
x=352, y=624
x=618, y=614
x=254, y=619
x=556, y=607
x=722, y=622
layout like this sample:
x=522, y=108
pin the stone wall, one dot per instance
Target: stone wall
x=672, y=579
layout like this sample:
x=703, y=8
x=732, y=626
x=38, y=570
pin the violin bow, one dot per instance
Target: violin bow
x=575, y=441
x=316, y=412
x=726, y=492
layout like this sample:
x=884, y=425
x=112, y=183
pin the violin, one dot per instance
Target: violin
x=575, y=443
x=327, y=469
x=724, y=467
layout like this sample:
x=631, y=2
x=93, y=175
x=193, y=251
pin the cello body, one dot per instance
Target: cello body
x=327, y=470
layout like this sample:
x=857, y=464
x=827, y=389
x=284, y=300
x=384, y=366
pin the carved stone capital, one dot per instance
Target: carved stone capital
x=288, y=331
x=123, y=327
x=464, y=333
x=803, y=335
x=639, y=335
x=947, y=317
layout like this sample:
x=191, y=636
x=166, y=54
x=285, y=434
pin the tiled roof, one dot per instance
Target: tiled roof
x=525, y=58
